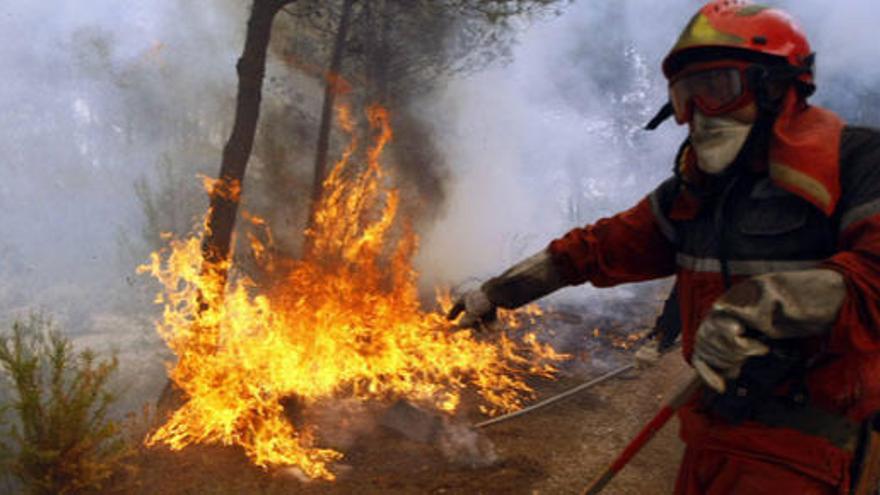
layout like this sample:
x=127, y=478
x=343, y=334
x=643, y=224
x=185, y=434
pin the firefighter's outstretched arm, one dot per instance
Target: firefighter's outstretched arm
x=627, y=247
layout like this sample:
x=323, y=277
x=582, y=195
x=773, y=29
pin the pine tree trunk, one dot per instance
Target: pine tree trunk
x=330, y=90
x=226, y=193
x=251, y=68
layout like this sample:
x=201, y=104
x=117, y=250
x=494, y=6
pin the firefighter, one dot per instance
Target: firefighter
x=771, y=225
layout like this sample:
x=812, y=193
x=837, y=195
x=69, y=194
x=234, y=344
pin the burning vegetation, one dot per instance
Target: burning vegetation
x=345, y=320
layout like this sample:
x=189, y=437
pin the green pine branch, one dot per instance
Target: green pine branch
x=61, y=439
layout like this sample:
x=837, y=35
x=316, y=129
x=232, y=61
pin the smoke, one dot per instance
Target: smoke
x=463, y=444
x=96, y=96
x=92, y=96
x=547, y=142
x=553, y=140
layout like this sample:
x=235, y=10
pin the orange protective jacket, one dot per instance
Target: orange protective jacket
x=814, y=203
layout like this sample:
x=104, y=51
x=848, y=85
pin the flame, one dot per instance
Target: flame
x=623, y=342
x=223, y=188
x=344, y=321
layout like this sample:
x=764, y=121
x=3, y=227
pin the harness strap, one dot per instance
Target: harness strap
x=839, y=430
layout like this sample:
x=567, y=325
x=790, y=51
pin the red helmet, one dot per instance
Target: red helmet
x=742, y=30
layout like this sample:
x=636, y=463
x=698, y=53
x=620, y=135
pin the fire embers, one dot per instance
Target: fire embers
x=342, y=322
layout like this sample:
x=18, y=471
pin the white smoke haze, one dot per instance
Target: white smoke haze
x=464, y=445
x=96, y=94
x=550, y=141
x=88, y=98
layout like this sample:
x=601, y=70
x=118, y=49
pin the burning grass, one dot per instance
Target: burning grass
x=343, y=321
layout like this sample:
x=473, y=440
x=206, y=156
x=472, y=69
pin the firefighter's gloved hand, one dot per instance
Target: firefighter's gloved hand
x=648, y=355
x=786, y=305
x=530, y=279
x=721, y=348
x=478, y=310
x=783, y=305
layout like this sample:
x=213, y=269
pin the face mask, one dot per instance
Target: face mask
x=717, y=141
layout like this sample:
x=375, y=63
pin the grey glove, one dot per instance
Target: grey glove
x=648, y=355
x=530, y=279
x=721, y=349
x=478, y=310
x=782, y=305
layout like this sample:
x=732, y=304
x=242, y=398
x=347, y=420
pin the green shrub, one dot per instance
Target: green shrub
x=60, y=439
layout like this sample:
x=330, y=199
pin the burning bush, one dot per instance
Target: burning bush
x=345, y=320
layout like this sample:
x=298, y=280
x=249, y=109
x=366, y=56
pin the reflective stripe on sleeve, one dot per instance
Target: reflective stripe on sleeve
x=665, y=225
x=859, y=213
x=742, y=267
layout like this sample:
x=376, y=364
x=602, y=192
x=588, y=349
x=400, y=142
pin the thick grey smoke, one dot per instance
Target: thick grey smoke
x=95, y=96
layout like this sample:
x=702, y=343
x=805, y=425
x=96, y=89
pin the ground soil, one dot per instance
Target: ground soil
x=556, y=450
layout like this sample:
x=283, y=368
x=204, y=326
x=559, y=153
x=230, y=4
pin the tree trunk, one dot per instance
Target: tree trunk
x=330, y=90
x=226, y=192
x=382, y=60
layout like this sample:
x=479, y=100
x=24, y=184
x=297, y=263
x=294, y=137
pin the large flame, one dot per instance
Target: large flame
x=344, y=321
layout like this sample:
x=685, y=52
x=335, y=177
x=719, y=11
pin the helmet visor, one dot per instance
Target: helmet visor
x=714, y=91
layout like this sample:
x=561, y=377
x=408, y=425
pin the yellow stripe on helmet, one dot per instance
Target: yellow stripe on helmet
x=700, y=32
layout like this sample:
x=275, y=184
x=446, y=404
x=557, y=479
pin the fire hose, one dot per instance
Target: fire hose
x=556, y=398
x=568, y=393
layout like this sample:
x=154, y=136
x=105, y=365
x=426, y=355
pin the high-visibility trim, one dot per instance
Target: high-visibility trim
x=859, y=213
x=701, y=32
x=742, y=267
x=809, y=188
x=665, y=225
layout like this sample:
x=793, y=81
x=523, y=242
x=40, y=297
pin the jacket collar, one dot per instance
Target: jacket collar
x=804, y=156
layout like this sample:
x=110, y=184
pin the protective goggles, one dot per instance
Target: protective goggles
x=713, y=88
